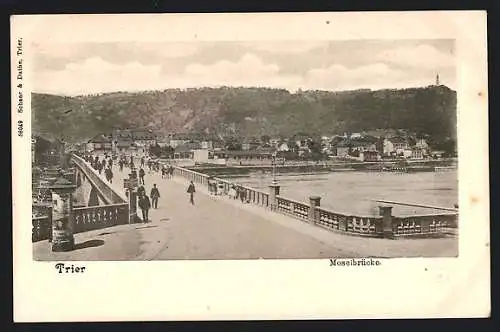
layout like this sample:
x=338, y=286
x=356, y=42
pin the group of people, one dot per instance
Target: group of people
x=234, y=192
x=144, y=202
x=106, y=164
x=238, y=192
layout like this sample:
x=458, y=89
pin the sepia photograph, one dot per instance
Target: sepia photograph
x=231, y=150
x=235, y=153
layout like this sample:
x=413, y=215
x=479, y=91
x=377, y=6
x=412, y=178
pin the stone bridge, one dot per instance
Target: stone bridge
x=91, y=188
x=263, y=225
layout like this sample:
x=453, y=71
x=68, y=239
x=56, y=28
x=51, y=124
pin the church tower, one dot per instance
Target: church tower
x=437, y=79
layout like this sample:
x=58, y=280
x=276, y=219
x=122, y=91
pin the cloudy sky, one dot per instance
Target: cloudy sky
x=83, y=68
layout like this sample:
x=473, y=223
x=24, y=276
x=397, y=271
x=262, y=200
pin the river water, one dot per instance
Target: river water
x=354, y=192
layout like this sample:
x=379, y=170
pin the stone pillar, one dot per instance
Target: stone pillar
x=314, y=202
x=386, y=212
x=132, y=200
x=273, y=193
x=62, y=221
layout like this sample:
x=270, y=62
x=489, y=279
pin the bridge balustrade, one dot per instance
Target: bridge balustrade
x=115, y=212
x=97, y=217
x=369, y=226
x=105, y=190
x=425, y=225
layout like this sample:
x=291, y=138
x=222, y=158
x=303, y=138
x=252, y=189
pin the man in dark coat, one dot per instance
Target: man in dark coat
x=155, y=194
x=141, y=176
x=109, y=174
x=243, y=195
x=191, y=190
x=145, y=205
x=141, y=191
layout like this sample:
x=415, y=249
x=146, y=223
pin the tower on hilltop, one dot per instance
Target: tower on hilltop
x=437, y=79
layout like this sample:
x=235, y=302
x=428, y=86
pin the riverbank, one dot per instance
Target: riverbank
x=327, y=167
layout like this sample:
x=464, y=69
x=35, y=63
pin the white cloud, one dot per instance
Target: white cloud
x=66, y=50
x=338, y=76
x=290, y=47
x=171, y=50
x=249, y=70
x=97, y=75
x=423, y=56
x=249, y=67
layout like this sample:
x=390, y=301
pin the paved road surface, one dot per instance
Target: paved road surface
x=212, y=229
x=220, y=228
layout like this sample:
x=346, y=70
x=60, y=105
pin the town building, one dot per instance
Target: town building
x=363, y=144
x=395, y=146
x=101, y=143
x=274, y=141
x=283, y=147
x=143, y=138
x=179, y=139
x=254, y=157
x=163, y=141
x=342, y=149
x=417, y=153
x=355, y=135
x=126, y=147
x=33, y=146
x=250, y=143
x=186, y=150
x=369, y=156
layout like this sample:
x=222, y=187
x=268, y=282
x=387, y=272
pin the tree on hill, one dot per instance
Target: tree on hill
x=251, y=111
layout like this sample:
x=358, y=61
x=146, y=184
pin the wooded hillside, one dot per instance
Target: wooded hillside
x=248, y=111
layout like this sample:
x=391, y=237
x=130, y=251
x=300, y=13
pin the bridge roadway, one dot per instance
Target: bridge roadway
x=217, y=227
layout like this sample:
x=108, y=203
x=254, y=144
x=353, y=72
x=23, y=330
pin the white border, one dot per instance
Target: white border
x=275, y=289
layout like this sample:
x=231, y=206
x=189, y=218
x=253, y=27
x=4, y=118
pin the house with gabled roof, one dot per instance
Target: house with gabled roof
x=101, y=142
x=395, y=145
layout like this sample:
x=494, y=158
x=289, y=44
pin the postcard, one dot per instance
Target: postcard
x=250, y=166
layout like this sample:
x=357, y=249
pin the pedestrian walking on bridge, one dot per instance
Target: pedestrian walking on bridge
x=141, y=191
x=191, y=190
x=100, y=166
x=141, y=176
x=145, y=205
x=155, y=194
x=109, y=174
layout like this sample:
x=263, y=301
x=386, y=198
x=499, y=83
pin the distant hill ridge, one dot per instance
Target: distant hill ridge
x=247, y=112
